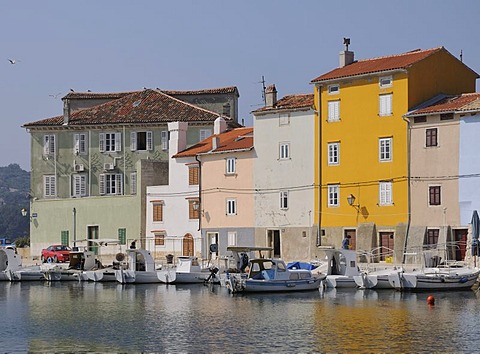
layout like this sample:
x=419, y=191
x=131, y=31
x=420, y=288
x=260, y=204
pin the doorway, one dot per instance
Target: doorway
x=353, y=238
x=273, y=241
x=212, y=246
x=92, y=234
x=188, y=246
x=387, y=245
x=460, y=244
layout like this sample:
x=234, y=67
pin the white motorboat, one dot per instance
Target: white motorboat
x=340, y=267
x=375, y=275
x=272, y=275
x=80, y=261
x=140, y=269
x=189, y=270
x=101, y=273
x=11, y=268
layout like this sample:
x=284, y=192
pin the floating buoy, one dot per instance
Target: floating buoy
x=431, y=300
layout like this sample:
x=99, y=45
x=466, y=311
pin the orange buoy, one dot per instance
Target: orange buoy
x=431, y=300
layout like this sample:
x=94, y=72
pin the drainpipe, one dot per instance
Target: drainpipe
x=319, y=109
x=199, y=194
x=409, y=200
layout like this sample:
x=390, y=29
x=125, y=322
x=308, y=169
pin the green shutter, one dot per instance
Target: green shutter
x=64, y=238
x=122, y=236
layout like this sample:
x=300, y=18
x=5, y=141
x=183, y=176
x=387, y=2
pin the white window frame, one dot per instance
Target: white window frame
x=385, y=103
x=385, y=195
x=111, y=184
x=385, y=149
x=79, y=185
x=232, y=238
x=148, y=140
x=334, y=111
x=333, y=153
x=333, y=195
x=49, y=186
x=114, y=142
x=284, y=151
x=333, y=89
x=385, y=81
x=133, y=183
x=49, y=145
x=80, y=144
x=164, y=139
x=284, y=200
x=205, y=133
x=231, y=205
x=231, y=165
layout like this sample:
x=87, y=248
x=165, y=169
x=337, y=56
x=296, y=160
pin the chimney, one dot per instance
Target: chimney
x=346, y=56
x=219, y=126
x=66, y=111
x=215, y=142
x=270, y=96
x=178, y=137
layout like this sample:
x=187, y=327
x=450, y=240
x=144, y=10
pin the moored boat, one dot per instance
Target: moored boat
x=340, y=267
x=188, y=270
x=141, y=268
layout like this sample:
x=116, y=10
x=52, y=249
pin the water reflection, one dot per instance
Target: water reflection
x=102, y=317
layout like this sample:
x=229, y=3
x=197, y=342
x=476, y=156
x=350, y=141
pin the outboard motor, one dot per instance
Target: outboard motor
x=213, y=274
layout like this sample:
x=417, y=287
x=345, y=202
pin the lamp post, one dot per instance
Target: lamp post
x=24, y=212
x=74, y=228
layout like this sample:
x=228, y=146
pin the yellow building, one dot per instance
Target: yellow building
x=362, y=147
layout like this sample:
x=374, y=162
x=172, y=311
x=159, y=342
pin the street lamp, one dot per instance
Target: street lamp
x=350, y=200
x=24, y=212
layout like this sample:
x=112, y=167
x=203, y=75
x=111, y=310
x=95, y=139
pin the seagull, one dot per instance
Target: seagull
x=55, y=96
x=13, y=61
x=72, y=90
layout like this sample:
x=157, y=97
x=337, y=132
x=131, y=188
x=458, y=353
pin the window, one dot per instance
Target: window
x=122, y=236
x=385, y=149
x=142, y=141
x=110, y=142
x=284, y=119
x=49, y=186
x=231, y=207
x=333, y=111
x=232, y=238
x=193, y=173
x=49, y=145
x=164, y=138
x=431, y=138
x=385, y=193
x=446, y=116
x=231, y=165
x=432, y=237
x=157, y=211
x=133, y=183
x=79, y=185
x=385, y=81
x=284, y=200
x=333, y=153
x=193, y=209
x=80, y=144
x=420, y=119
x=159, y=239
x=434, y=195
x=333, y=195
x=111, y=184
x=205, y=133
x=284, y=151
x=333, y=89
x=386, y=105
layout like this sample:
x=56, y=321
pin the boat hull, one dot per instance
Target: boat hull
x=237, y=284
x=137, y=277
x=441, y=280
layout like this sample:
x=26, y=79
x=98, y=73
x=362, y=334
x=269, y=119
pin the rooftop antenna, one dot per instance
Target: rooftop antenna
x=346, y=41
x=461, y=55
x=263, y=91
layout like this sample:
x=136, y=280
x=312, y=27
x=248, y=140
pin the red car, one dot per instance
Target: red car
x=56, y=253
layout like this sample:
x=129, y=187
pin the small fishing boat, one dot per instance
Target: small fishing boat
x=141, y=268
x=375, y=275
x=188, y=270
x=80, y=261
x=272, y=275
x=102, y=273
x=11, y=268
x=340, y=267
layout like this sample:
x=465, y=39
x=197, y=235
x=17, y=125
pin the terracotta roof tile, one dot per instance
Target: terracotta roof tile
x=229, y=89
x=386, y=63
x=147, y=106
x=290, y=102
x=232, y=140
x=459, y=103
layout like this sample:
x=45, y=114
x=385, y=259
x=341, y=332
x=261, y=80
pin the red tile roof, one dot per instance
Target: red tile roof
x=387, y=63
x=232, y=140
x=229, y=89
x=290, y=102
x=147, y=106
x=464, y=102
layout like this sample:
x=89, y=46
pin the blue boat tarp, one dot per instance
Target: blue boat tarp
x=301, y=265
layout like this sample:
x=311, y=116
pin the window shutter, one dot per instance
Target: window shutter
x=149, y=141
x=119, y=184
x=45, y=144
x=122, y=236
x=83, y=185
x=83, y=143
x=164, y=140
x=118, y=141
x=76, y=186
x=101, y=145
x=102, y=184
x=133, y=141
x=64, y=238
x=133, y=183
x=76, y=143
x=52, y=145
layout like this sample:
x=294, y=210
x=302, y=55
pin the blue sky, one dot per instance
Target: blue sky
x=117, y=45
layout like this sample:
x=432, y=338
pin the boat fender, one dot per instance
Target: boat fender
x=431, y=300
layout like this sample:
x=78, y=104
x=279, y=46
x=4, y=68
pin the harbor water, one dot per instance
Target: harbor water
x=112, y=318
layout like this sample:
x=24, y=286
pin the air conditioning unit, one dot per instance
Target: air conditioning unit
x=79, y=167
x=108, y=166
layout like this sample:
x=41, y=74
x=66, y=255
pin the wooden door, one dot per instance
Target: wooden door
x=353, y=238
x=188, y=246
x=460, y=246
x=387, y=244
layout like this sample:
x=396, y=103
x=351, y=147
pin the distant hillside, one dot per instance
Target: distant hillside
x=14, y=195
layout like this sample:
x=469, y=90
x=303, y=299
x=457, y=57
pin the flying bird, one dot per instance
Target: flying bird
x=13, y=61
x=55, y=96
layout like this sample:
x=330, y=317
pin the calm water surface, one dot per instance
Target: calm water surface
x=96, y=317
